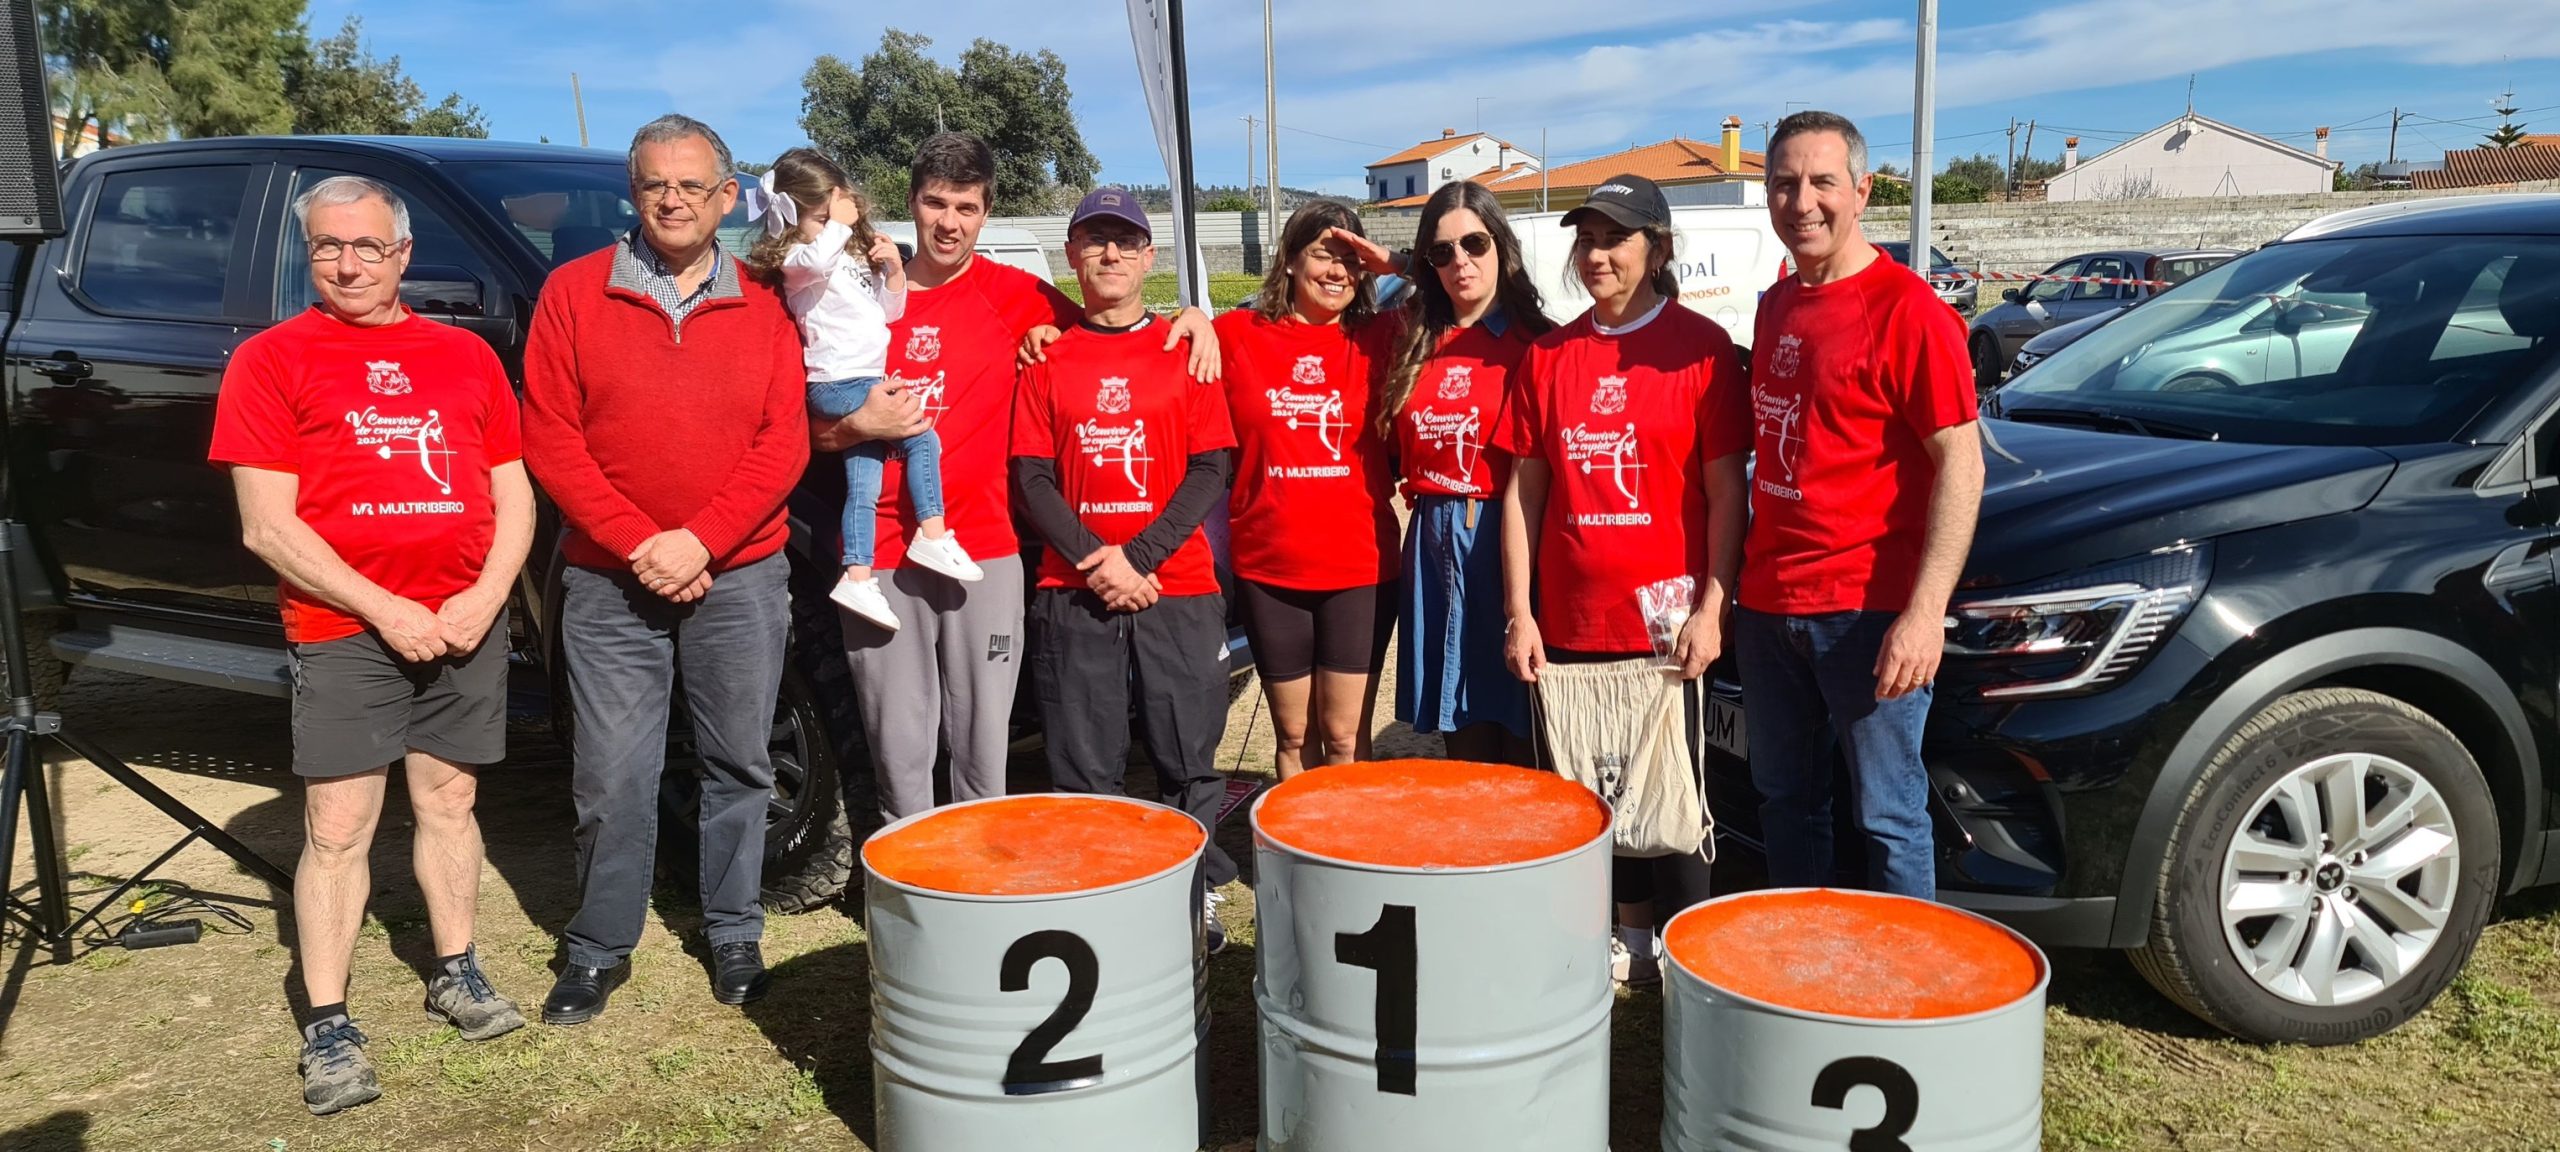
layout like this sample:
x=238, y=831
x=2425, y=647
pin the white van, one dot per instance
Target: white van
x=1014, y=246
x=1726, y=257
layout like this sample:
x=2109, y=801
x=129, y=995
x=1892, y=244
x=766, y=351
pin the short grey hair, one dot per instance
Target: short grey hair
x=338, y=190
x=1815, y=120
x=676, y=126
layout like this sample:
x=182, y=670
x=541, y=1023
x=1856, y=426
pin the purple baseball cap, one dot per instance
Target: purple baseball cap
x=1115, y=203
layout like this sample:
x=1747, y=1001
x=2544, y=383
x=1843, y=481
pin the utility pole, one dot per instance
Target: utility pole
x=579, y=99
x=1249, y=125
x=1924, y=125
x=1542, y=169
x=2031, y=139
x=2392, y=154
x=2009, y=177
x=1271, y=137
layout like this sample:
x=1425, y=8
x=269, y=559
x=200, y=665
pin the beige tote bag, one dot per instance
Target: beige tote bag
x=1617, y=728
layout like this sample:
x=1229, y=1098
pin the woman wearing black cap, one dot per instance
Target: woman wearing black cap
x=1628, y=434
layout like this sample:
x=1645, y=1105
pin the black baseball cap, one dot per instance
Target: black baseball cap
x=1631, y=200
x=1115, y=203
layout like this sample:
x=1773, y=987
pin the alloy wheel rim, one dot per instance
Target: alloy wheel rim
x=2341, y=880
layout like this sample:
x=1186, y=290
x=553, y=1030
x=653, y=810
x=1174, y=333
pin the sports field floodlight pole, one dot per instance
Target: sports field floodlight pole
x=1924, y=126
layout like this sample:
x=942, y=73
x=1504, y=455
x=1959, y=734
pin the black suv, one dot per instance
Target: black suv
x=2257, y=678
x=116, y=336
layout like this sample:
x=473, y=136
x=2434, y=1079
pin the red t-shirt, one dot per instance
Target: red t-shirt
x=958, y=344
x=1848, y=379
x=1626, y=425
x=1458, y=406
x=1310, y=507
x=392, y=432
x=1122, y=418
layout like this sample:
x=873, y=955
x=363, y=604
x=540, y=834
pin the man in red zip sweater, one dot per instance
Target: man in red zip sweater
x=665, y=410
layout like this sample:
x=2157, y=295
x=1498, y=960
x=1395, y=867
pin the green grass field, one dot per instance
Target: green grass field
x=1163, y=289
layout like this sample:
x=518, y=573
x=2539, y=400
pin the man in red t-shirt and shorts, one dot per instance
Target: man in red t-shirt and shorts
x=1118, y=455
x=1867, y=477
x=376, y=458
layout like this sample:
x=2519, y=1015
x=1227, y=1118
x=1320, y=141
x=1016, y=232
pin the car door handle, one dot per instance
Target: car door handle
x=61, y=367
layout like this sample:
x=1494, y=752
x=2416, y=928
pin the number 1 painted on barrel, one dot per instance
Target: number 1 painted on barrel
x=1030, y=1072
x=1388, y=949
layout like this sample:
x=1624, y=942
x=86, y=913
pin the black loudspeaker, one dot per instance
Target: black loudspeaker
x=30, y=186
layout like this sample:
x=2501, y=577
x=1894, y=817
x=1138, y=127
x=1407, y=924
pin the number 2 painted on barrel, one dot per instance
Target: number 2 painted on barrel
x=1388, y=949
x=1901, y=1099
x=1030, y=1072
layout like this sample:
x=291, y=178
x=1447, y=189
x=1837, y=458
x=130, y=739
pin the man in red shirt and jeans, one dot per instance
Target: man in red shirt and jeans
x=376, y=460
x=665, y=413
x=1118, y=455
x=1867, y=478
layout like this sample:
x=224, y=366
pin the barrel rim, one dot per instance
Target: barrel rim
x=1253, y=817
x=872, y=874
x=2033, y=995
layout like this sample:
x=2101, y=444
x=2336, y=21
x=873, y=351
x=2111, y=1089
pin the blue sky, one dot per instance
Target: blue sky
x=1358, y=78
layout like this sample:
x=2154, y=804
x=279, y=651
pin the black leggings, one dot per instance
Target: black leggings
x=1295, y=632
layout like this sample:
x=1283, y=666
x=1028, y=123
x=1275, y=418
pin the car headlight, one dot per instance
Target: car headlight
x=2081, y=632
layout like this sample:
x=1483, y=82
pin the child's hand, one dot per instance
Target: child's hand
x=884, y=256
x=813, y=220
x=842, y=206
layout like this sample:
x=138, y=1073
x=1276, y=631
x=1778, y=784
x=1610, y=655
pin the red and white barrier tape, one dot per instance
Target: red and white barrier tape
x=2024, y=276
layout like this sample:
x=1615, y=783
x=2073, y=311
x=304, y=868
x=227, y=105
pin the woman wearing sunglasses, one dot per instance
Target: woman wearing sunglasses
x=1443, y=396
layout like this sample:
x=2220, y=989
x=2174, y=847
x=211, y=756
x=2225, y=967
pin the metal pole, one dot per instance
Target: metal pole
x=2391, y=154
x=1542, y=169
x=1185, y=184
x=1271, y=139
x=1924, y=124
x=578, y=98
x=1249, y=125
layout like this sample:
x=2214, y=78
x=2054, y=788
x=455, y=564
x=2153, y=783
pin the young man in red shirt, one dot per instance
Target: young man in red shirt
x=1867, y=479
x=666, y=414
x=1118, y=455
x=376, y=460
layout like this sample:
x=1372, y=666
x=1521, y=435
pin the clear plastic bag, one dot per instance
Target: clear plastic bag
x=1665, y=605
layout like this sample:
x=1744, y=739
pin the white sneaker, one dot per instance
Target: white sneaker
x=943, y=554
x=1215, y=931
x=1630, y=967
x=863, y=598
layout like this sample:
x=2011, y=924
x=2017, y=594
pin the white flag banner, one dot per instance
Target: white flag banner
x=1152, y=33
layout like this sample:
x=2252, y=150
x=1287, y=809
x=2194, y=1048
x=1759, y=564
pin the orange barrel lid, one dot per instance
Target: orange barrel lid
x=1431, y=814
x=1858, y=954
x=1034, y=845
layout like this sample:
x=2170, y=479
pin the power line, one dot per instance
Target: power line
x=1340, y=140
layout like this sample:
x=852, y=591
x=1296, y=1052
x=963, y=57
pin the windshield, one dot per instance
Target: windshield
x=563, y=209
x=1900, y=252
x=2389, y=340
x=2180, y=269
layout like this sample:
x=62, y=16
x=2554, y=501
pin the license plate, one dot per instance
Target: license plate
x=1724, y=727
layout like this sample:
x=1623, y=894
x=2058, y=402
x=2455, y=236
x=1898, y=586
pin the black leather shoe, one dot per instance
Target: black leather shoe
x=737, y=973
x=581, y=993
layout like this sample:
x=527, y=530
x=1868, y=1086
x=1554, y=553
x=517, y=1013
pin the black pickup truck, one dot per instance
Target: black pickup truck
x=116, y=338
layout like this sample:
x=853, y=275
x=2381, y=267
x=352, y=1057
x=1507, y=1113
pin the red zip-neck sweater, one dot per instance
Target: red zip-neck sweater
x=636, y=425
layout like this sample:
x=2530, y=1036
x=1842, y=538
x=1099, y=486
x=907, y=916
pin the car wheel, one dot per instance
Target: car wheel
x=1986, y=361
x=2328, y=873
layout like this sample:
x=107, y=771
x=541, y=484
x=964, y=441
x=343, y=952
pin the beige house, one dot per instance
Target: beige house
x=2193, y=156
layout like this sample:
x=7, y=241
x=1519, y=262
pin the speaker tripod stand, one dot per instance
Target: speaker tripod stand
x=47, y=920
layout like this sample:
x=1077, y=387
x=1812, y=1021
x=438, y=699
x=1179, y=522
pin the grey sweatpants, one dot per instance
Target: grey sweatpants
x=625, y=647
x=946, y=673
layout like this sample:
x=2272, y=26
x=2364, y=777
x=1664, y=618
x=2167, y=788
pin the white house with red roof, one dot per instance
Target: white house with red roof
x=1420, y=170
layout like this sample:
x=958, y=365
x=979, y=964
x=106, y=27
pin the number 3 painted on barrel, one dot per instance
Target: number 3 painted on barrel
x=1901, y=1099
x=1030, y=1072
x=1388, y=949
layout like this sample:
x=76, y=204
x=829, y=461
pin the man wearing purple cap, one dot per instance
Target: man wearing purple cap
x=1118, y=454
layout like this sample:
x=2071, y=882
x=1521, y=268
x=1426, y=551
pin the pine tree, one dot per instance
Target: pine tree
x=2508, y=133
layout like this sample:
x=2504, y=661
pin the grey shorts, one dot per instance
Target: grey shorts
x=357, y=707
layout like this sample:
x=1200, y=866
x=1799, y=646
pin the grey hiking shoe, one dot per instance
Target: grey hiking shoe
x=336, y=1075
x=468, y=1002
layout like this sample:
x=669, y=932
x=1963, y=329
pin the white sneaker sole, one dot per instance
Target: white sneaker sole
x=969, y=575
x=845, y=600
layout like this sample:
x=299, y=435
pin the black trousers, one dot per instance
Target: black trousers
x=1087, y=665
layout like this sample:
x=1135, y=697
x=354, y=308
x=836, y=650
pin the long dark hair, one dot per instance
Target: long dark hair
x=1306, y=229
x=1430, y=314
x=808, y=179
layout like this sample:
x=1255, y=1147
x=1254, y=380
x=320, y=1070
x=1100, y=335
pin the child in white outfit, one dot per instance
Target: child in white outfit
x=845, y=283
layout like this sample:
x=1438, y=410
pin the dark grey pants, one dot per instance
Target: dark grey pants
x=1086, y=661
x=625, y=648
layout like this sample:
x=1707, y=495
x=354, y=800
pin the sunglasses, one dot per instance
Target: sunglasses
x=1442, y=253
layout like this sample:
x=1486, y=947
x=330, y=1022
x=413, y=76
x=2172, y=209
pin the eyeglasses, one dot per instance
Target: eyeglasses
x=1443, y=253
x=1130, y=243
x=689, y=191
x=327, y=248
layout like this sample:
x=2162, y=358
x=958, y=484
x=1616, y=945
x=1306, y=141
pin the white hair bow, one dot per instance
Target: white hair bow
x=767, y=203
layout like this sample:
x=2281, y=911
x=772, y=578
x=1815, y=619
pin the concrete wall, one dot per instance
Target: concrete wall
x=2191, y=159
x=2029, y=237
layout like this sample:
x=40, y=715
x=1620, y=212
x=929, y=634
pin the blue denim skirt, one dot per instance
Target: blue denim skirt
x=1449, y=671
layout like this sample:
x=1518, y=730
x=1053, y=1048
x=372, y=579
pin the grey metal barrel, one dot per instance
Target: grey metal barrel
x=1432, y=947
x=1035, y=966
x=1812, y=1019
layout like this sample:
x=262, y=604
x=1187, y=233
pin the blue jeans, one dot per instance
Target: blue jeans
x=864, y=462
x=1806, y=682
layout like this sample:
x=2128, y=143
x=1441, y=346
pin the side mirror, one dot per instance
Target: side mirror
x=2009, y=295
x=2291, y=319
x=441, y=290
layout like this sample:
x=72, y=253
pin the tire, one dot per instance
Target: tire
x=2340, y=948
x=45, y=674
x=1986, y=362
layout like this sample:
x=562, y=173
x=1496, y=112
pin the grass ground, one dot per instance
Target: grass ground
x=1164, y=289
x=192, y=1048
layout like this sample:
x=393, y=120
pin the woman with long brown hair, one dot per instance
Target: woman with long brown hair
x=1313, y=533
x=1444, y=395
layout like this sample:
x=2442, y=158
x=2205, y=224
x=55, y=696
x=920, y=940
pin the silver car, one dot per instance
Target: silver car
x=2028, y=312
